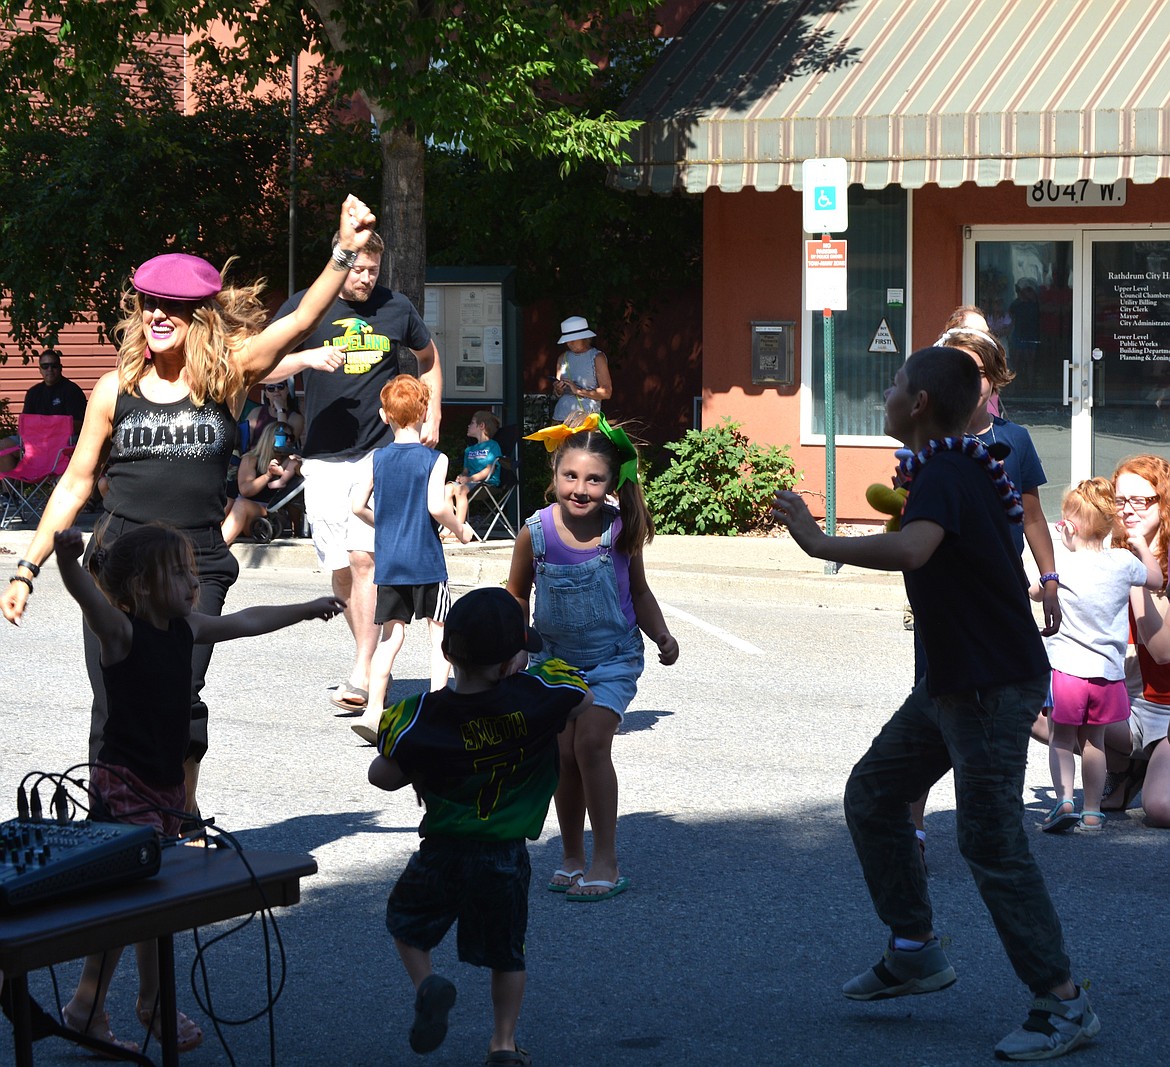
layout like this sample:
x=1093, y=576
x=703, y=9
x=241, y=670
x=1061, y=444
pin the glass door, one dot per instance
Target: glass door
x=1026, y=283
x=1129, y=374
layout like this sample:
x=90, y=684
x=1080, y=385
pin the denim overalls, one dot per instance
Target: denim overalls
x=581, y=621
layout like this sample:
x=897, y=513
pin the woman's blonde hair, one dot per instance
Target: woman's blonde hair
x=1156, y=471
x=133, y=572
x=265, y=448
x=1090, y=503
x=220, y=325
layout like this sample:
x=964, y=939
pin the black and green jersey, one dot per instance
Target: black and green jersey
x=486, y=763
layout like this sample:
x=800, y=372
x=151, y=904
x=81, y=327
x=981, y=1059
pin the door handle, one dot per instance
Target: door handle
x=1090, y=376
x=1067, y=382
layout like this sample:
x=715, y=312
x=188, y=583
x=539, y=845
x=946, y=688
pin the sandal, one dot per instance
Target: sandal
x=189, y=1034
x=98, y=1029
x=1061, y=818
x=350, y=698
x=1124, y=785
x=1091, y=827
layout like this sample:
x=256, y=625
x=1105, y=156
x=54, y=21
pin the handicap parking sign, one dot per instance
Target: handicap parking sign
x=824, y=186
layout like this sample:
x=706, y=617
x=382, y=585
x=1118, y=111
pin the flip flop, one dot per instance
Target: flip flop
x=612, y=889
x=350, y=698
x=190, y=1036
x=558, y=887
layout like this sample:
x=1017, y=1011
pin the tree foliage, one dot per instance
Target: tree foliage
x=89, y=192
x=498, y=78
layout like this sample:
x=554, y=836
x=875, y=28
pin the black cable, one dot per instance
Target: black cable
x=65, y=803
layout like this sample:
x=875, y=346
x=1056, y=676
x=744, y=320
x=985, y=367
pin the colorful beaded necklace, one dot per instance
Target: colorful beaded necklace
x=909, y=463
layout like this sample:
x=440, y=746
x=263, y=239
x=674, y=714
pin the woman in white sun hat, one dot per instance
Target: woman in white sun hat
x=583, y=380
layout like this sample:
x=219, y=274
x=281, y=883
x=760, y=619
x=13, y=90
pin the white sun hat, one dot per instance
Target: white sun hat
x=575, y=329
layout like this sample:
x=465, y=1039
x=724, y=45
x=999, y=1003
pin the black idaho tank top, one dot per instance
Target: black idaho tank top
x=168, y=462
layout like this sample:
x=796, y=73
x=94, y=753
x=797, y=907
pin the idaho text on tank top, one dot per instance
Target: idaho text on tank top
x=169, y=462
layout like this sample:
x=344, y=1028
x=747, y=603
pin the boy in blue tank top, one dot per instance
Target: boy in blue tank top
x=482, y=756
x=402, y=500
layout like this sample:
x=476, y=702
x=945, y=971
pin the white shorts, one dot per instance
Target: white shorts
x=1148, y=722
x=337, y=531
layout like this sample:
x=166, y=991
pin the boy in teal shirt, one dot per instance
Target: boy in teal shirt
x=482, y=757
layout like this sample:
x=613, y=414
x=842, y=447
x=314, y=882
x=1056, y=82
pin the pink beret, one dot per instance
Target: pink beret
x=177, y=276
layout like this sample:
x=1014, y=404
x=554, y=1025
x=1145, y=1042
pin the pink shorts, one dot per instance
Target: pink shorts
x=127, y=798
x=1088, y=701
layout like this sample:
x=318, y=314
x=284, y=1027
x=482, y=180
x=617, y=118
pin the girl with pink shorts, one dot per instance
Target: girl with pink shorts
x=1087, y=653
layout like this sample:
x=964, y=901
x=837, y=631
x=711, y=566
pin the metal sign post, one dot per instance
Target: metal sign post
x=825, y=193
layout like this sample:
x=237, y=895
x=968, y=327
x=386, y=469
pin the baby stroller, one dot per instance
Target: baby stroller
x=277, y=522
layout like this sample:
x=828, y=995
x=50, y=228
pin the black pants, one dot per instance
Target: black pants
x=218, y=570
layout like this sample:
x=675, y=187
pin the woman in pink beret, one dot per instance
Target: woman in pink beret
x=164, y=424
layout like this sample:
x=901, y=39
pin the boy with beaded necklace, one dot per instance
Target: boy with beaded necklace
x=986, y=678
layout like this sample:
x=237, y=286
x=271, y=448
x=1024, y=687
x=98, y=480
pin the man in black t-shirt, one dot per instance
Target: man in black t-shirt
x=344, y=364
x=53, y=395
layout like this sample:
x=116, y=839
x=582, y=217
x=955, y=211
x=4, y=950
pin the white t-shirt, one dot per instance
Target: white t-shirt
x=1094, y=604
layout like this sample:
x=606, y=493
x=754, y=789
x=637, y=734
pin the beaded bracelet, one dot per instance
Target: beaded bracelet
x=1051, y=577
x=33, y=569
x=22, y=578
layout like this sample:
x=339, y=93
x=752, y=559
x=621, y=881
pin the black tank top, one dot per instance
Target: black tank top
x=149, y=698
x=168, y=462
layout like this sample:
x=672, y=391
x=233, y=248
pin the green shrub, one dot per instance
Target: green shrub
x=7, y=419
x=719, y=482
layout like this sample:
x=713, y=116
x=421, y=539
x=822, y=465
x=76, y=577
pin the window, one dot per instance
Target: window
x=877, y=257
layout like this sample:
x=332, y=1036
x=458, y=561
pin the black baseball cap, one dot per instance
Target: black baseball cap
x=486, y=626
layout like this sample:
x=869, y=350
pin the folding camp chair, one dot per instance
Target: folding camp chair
x=44, y=440
x=506, y=495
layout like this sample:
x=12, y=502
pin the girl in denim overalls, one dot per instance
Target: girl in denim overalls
x=592, y=606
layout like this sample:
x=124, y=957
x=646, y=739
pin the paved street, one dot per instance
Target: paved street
x=747, y=910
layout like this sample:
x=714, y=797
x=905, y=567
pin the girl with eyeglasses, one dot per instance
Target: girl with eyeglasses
x=1137, y=751
x=1088, y=652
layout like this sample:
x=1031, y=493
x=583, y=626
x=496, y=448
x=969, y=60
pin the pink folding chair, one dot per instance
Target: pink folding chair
x=44, y=441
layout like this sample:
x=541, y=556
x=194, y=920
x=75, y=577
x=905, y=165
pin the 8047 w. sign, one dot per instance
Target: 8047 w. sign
x=1083, y=193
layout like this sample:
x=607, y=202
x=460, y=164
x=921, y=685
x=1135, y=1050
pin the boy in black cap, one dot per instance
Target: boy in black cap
x=482, y=756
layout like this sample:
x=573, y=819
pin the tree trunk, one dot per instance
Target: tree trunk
x=402, y=219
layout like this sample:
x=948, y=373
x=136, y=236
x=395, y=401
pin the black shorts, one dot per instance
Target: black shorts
x=483, y=884
x=401, y=603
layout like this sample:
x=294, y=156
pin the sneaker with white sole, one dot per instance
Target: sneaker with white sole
x=901, y=973
x=1053, y=1027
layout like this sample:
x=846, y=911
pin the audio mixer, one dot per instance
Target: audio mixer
x=47, y=859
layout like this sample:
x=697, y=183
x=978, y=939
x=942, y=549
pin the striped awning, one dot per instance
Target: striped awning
x=912, y=92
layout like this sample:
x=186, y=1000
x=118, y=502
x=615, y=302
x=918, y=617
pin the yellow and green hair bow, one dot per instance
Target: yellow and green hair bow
x=555, y=436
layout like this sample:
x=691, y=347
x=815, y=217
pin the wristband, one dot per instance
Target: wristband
x=1050, y=577
x=343, y=258
x=33, y=569
x=22, y=578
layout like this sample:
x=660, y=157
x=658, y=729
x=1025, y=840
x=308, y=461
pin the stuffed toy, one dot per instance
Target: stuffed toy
x=888, y=501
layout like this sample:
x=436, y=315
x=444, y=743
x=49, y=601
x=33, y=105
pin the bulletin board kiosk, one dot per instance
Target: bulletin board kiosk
x=473, y=318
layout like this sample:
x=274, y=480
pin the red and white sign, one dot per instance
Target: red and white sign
x=825, y=276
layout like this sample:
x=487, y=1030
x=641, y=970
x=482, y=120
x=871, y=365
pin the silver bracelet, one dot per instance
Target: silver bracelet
x=345, y=259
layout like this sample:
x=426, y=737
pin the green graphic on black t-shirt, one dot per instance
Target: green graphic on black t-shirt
x=362, y=346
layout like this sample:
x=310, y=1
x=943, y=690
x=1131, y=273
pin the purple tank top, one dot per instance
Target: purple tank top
x=556, y=551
